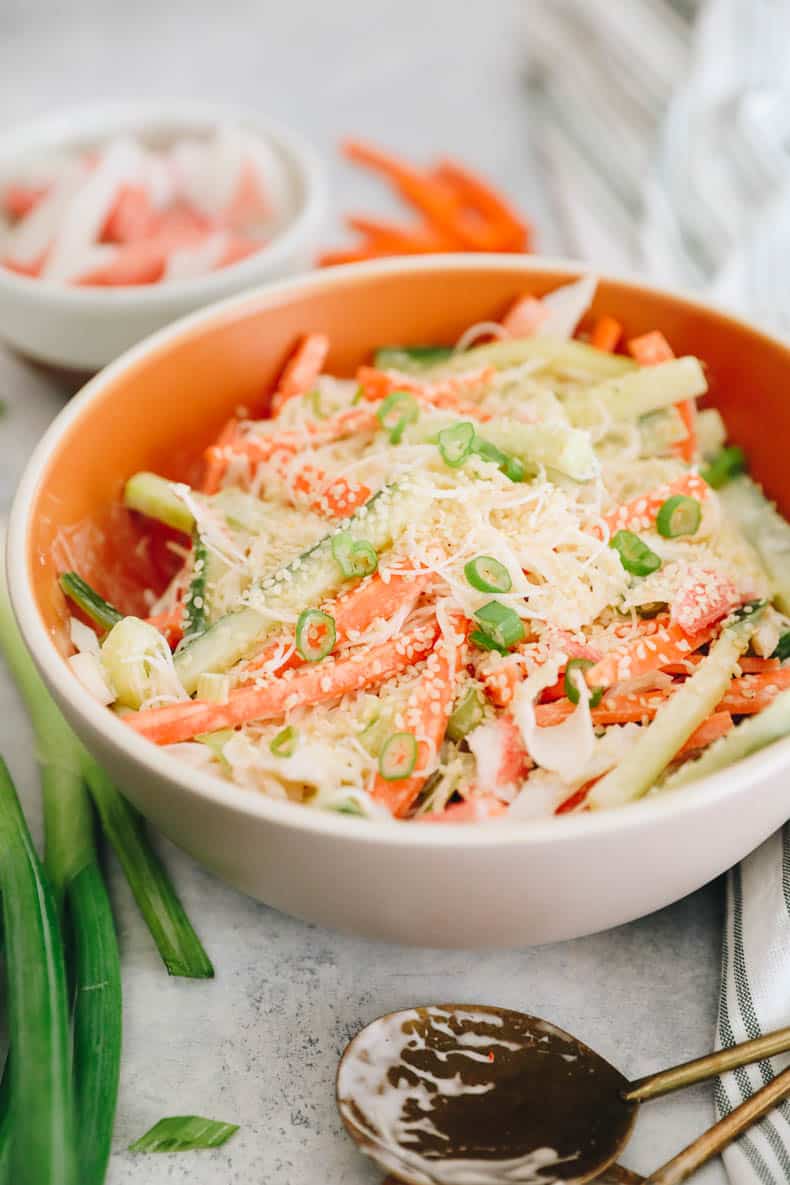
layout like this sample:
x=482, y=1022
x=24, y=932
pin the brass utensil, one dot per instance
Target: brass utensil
x=456, y=1094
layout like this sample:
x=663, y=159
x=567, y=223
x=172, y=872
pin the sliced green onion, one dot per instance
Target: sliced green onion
x=101, y=612
x=359, y=395
x=43, y=1135
x=399, y=409
x=635, y=556
x=356, y=557
x=514, y=468
x=466, y=714
x=782, y=648
x=571, y=688
x=680, y=515
x=455, y=443
x=487, y=575
x=398, y=756
x=410, y=358
x=183, y=1133
x=727, y=463
x=511, y=466
x=315, y=634
x=284, y=744
x=478, y=638
x=501, y=624
x=314, y=399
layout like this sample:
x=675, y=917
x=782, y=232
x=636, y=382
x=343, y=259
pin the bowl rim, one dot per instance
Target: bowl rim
x=104, y=119
x=565, y=829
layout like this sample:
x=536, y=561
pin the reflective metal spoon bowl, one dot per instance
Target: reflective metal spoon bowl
x=452, y=1094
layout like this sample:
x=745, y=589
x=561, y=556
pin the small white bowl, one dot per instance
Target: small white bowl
x=82, y=329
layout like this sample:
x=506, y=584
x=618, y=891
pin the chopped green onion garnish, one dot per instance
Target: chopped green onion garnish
x=398, y=409
x=182, y=1133
x=782, y=648
x=478, y=638
x=635, y=556
x=398, y=756
x=359, y=395
x=284, y=744
x=727, y=463
x=88, y=600
x=455, y=443
x=680, y=515
x=315, y=634
x=511, y=466
x=314, y=398
x=410, y=357
x=487, y=575
x=571, y=688
x=501, y=624
x=356, y=557
x=466, y=715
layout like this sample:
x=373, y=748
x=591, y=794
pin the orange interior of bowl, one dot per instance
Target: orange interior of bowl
x=161, y=411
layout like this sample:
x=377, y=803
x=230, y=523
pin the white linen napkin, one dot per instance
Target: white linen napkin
x=662, y=130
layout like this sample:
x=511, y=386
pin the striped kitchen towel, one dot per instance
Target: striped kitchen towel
x=663, y=130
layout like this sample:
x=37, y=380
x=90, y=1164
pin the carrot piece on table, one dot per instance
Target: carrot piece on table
x=131, y=218
x=653, y=648
x=301, y=370
x=507, y=229
x=640, y=514
x=439, y=205
x=525, y=316
x=475, y=809
x=20, y=200
x=216, y=457
x=319, y=683
x=707, y=597
x=606, y=334
x=395, y=239
x=427, y=711
x=649, y=350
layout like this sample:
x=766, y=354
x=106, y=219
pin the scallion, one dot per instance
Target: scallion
x=635, y=556
x=398, y=756
x=782, y=650
x=455, y=443
x=284, y=744
x=315, y=634
x=466, y=714
x=184, y=1133
x=679, y=515
x=101, y=612
x=727, y=463
x=355, y=557
x=501, y=624
x=571, y=688
x=399, y=409
x=487, y=575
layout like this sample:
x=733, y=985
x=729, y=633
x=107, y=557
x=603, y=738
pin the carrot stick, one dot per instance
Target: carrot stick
x=751, y=693
x=525, y=316
x=319, y=683
x=427, y=712
x=606, y=334
x=640, y=514
x=649, y=350
x=216, y=457
x=440, y=206
x=650, y=651
x=508, y=231
x=301, y=369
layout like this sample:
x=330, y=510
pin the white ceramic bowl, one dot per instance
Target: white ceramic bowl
x=455, y=886
x=82, y=329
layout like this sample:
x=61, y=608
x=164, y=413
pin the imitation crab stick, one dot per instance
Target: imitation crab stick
x=427, y=711
x=327, y=680
x=650, y=350
x=448, y=393
x=651, y=650
x=640, y=513
x=302, y=369
x=707, y=597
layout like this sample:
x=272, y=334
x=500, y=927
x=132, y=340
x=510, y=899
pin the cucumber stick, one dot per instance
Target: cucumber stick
x=677, y=718
x=554, y=352
x=195, y=601
x=568, y=451
x=769, y=534
x=158, y=498
x=642, y=391
x=101, y=612
x=305, y=582
x=751, y=734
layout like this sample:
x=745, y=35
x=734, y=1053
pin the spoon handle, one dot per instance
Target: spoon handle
x=702, y=1068
x=722, y=1133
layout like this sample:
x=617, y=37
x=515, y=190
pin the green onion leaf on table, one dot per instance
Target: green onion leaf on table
x=183, y=1133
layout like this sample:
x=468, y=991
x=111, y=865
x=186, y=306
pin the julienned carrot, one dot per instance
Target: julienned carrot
x=748, y=665
x=355, y=611
x=716, y=726
x=275, y=696
x=606, y=334
x=216, y=457
x=170, y=623
x=751, y=693
x=525, y=316
x=507, y=230
x=445, y=393
x=302, y=369
x=428, y=709
x=401, y=240
x=433, y=198
x=651, y=650
x=640, y=514
x=649, y=350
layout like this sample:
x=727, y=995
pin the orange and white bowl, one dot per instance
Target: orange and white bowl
x=457, y=886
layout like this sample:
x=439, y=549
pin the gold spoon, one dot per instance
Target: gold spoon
x=457, y=1094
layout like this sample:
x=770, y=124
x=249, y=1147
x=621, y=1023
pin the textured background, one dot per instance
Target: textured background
x=259, y=1045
